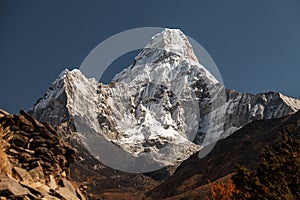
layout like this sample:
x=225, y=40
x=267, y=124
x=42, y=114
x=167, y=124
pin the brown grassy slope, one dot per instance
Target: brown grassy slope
x=244, y=147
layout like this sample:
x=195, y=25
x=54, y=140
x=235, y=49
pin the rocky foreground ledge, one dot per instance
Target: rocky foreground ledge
x=34, y=160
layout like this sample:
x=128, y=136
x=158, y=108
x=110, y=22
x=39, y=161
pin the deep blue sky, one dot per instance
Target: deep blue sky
x=255, y=44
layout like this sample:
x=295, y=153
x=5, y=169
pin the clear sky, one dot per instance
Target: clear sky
x=255, y=44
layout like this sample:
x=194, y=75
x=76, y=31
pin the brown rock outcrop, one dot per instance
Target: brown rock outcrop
x=35, y=161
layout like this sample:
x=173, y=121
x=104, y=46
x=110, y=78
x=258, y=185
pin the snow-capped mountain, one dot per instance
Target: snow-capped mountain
x=158, y=108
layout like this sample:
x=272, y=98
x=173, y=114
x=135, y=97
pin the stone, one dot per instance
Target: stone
x=50, y=128
x=57, y=150
x=24, y=133
x=49, y=135
x=36, y=143
x=31, y=160
x=35, y=133
x=33, y=190
x=80, y=195
x=25, y=156
x=3, y=112
x=3, y=177
x=40, y=139
x=64, y=174
x=62, y=160
x=12, y=187
x=66, y=190
x=25, y=124
x=22, y=175
x=52, y=183
x=13, y=151
x=35, y=122
x=43, y=151
x=37, y=173
x=32, y=196
x=19, y=140
x=9, y=120
x=55, y=197
x=47, y=165
x=29, y=151
x=27, y=129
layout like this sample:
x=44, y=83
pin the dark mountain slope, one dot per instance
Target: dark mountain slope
x=244, y=147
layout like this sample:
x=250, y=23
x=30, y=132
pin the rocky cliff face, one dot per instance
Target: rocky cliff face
x=244, y=108
x=34, y=160
x=156, y=110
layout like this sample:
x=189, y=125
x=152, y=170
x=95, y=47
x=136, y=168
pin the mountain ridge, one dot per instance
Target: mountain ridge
x=164, y=102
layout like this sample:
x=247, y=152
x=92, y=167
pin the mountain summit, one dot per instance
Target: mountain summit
x=171, y=41
x=167, y=57
x=156, y=112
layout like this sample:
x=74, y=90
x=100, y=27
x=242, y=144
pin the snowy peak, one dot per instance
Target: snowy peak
x=73, y=72
x=69, y=88
x=172, y=41
x=168, y=59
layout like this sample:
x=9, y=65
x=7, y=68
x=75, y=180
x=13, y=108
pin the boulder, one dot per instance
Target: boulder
x=37, y=159
x=19, y=140
x=37, y=172
x=66, y=190
x=25, y=124
x=3, y=112
x=35, y=122
x=79, y=194
x=10, y=187
x=22, y=175
x=52, y=183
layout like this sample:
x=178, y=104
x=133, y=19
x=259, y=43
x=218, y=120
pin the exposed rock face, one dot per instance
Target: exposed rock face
x=244, y=108
x=241, y=109
x=35, y=162
x=157, y=106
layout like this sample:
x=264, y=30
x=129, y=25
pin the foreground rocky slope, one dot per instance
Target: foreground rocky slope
x=34, y=160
